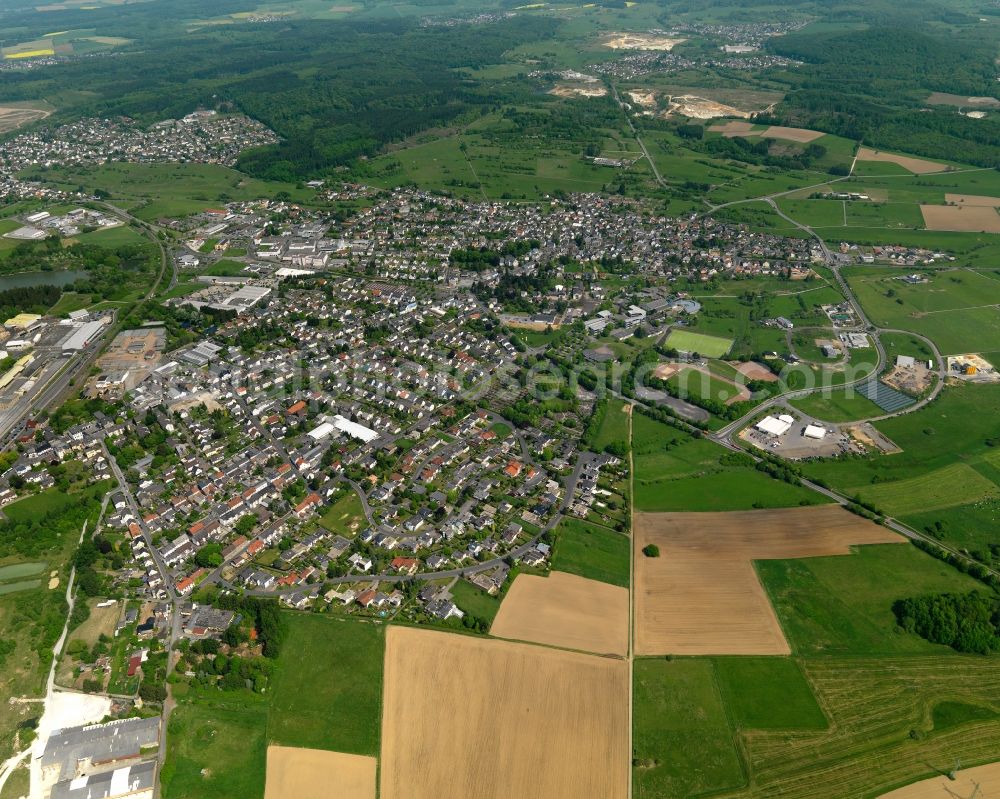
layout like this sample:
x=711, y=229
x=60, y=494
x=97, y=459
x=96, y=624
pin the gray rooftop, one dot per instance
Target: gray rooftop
x=121, y=782
x=99, y=743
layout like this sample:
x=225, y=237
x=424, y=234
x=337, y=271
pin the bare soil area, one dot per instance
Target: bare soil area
x=701, y=596
x=641, y=41
x=521, y=720
x=567, y=611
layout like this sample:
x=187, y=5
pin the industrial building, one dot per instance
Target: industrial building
x=129, y=782
x=354, y=430
x=82, y=336
x=72, y=753
x=775, y=425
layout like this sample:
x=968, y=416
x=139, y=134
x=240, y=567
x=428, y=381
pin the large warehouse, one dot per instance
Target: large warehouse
x=82, y=336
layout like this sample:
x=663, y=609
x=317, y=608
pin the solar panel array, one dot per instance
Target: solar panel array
x=887, y=398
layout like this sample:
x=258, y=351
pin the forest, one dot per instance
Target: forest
x=868, y=86
x=966, y=622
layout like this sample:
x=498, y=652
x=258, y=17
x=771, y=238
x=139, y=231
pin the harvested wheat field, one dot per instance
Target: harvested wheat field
x=972, y=200
x=916, y=165
x=522, y=720
x=966, y=219
x=567, y=611
x=800, y=135
x=984, y=778
x=734, y=128
x=295, y=773
x=701, y=596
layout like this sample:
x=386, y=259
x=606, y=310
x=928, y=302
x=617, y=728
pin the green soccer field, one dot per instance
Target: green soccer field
x=710, y=346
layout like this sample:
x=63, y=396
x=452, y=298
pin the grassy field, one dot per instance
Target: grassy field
x=614, y=426
x=768, y=693
x=675, y=472
x=51, y=500
x=892, y=720
x=955, y=308
x=688, y=341
x=955, y=484
x=838, y=406
x=591, y=551
x=151, y=191
x=682, y=739
x=948, y=474
x=330, y=699
x=843, y=606
x=346, y=516
x=475, y=601
x=217, y=747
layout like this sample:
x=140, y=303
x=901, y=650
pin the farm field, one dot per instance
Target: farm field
x=955, y=308
x=843, y=605
x=567, y=611
x=675, y=472
x=294, y=773
x=892, y=721
x=918, y=166
x=955, y=484
x=982, y=780
x=591, y=551
x=934, y=440
x=965, y=219
x=768, y=693
x=555, y=723
x=683, y=742
x=701, y=596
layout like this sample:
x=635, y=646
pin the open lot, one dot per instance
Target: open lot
x=567, y=611
x=702, y=595
x=918, y=166
x=294, y=773
x=966, y=219
x=521, y=720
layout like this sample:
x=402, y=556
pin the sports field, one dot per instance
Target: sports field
x=567, y=611
x=520, y=720
x=294, y=773
x=702, y=595
x=709, y=346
